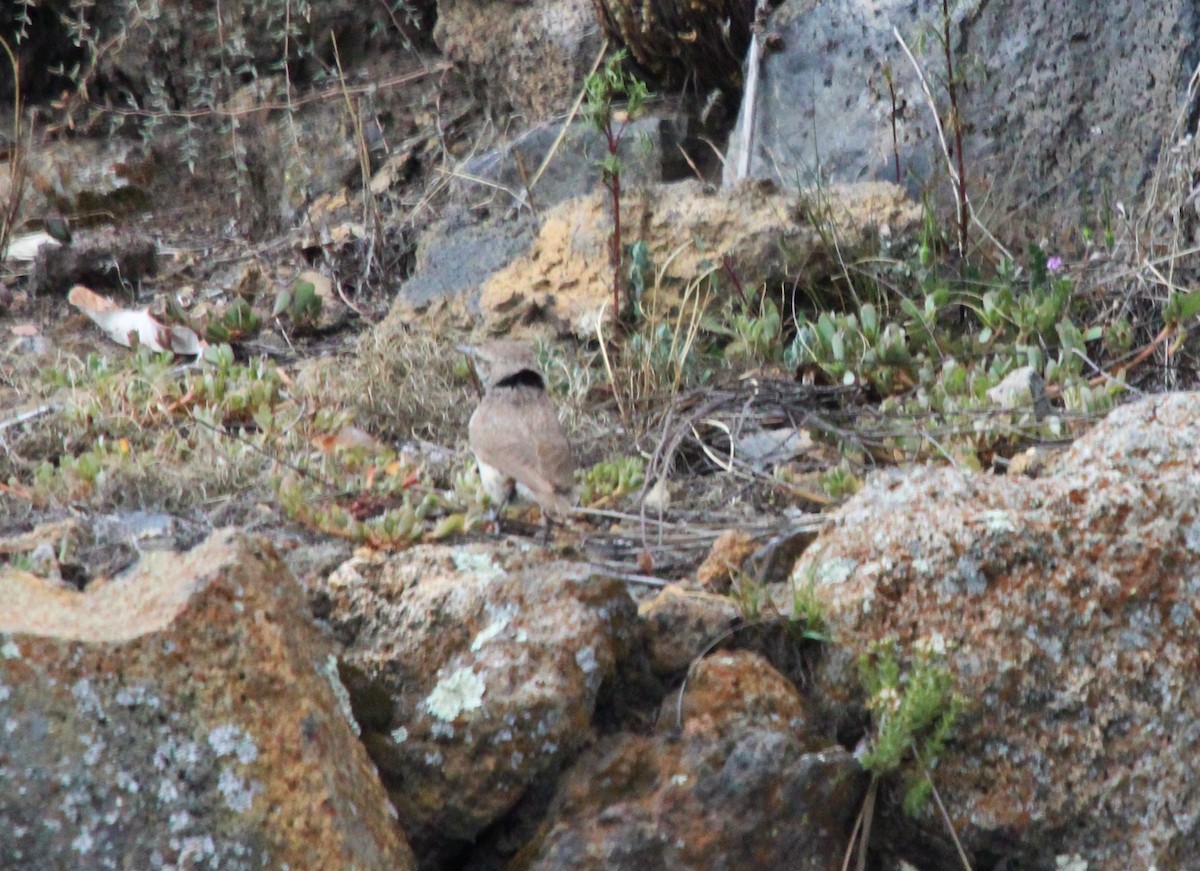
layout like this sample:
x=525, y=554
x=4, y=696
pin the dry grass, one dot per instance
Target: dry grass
x=405, y=384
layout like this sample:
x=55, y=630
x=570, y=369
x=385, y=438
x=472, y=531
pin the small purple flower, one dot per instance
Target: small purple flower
x=1054, y=264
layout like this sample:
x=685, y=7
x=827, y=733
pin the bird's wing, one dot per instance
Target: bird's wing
x=517, y=432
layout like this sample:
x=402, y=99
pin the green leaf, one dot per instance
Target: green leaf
x=870, y=321
x=1181, y=307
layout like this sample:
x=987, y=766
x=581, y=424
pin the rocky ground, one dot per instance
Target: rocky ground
x=887, y=544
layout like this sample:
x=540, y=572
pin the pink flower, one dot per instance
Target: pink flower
x=1054, y=264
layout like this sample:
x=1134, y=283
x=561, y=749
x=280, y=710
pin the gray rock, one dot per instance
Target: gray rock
x=524, y=55
x=648, y=152
x=453, y=258
x=823, y=109
x=1065, y=105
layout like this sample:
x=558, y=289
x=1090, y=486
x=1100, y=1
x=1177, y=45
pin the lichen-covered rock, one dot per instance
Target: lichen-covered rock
x=530, y=55
x=738, y=780
x=1067, y=607
x=493, y=662
x=182, y=714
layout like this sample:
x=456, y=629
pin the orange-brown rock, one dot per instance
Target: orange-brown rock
x=738, y=780
x=687, y=228
x=725, y=559
x=681, y=625
x=183, y=714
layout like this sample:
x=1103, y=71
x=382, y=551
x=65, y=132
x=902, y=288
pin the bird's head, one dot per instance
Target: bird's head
x=505, y=363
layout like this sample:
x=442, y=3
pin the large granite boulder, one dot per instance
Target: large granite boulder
x=1067, y=610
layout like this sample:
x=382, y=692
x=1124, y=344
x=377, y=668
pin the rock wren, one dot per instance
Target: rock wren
x=518, y=442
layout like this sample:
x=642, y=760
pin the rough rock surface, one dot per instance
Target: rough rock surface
x=682, y=624
x=688, y=228
x=648, y=150
x=182, y=714
x=493, y=663
x=1067, y=607
x=1053, y=88
x=456, y=255
x=531, y=55
x=737, y=781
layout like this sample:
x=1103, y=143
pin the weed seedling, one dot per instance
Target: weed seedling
x=604, y=87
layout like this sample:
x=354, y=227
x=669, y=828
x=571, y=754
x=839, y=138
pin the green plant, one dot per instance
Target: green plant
x=756, y=336
x=611, y=479
x=603, y=88
x=237, y=322
x=301, y=303
x=913, y=708
x=810, y=613
x=840, y=481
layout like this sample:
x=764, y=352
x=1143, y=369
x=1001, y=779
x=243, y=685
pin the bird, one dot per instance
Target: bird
x=515, y=434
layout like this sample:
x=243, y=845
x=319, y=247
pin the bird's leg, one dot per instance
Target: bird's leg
x=508, y=496
x=547, y=526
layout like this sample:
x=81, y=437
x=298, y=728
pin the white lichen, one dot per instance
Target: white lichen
x=461, y=691
x=128, y=782
x=998, y=521
x=9, y=650
x=934, y=643
x=586, y=660
x=340, y=692
x=481, y=565
x=1073, y=862
x=498, y=625
x=86, y=699
x=95, y=748
x=400, y=734
x=131, y=697
x=82, y=842
x=238, y=794
x=1191, y=537
x=835, y=571
x=231, y=740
